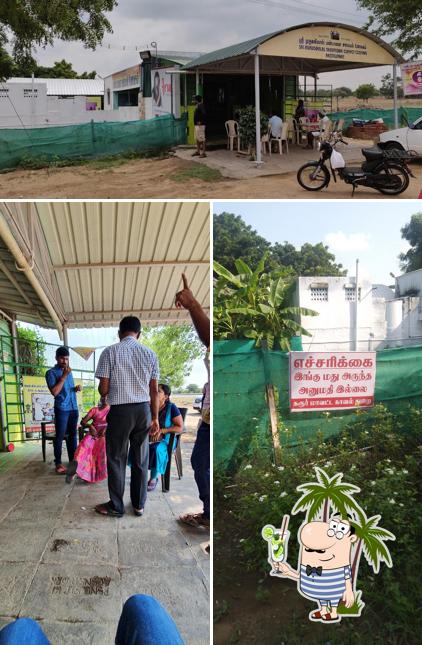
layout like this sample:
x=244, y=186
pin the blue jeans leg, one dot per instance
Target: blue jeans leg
x=200, y=461
x=145, y=622
x=65, y=421
x=23, y=631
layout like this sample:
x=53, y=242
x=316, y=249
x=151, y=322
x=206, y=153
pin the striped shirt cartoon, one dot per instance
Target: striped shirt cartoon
x=327, y=586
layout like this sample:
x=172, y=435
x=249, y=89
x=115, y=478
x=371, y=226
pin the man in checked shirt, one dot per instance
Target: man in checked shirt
x=128, y=374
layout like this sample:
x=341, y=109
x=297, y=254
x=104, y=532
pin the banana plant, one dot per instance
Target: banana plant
x=257, y=305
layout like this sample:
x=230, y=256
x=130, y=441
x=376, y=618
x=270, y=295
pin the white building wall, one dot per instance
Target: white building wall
x=333, y=328
x=38, y=109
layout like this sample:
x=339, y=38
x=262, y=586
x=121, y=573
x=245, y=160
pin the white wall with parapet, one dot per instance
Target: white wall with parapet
x=333, y=328
x=36, y=109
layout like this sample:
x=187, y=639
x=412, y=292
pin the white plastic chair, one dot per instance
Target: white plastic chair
x=323, y=133
x=232, y=130
x=265, y=141
x=283, y=137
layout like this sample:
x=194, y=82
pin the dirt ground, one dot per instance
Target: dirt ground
x=152, y=178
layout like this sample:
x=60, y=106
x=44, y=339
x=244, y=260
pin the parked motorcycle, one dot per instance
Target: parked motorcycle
x=384, y=170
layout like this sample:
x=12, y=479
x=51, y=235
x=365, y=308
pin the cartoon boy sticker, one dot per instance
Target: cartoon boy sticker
x=324, y=573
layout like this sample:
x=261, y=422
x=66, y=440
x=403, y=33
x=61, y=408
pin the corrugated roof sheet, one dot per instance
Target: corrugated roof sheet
x=99, y=261
x=248, y=46
x=67, y=86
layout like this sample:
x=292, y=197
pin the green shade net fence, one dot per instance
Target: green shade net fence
x=409, y=113
x=89, y=140
x=240, y=411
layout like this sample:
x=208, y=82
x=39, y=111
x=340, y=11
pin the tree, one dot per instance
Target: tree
x=311, y=259
x=366, y=91
x=399, y=18
x=247, y=125
x=412, y=232
x=176, y=347
x=31, y=348
x=342, y=92
x=255, y=304
x=233, y=239
x=192, y=388
x=38, y=22
x=371, y=538
x=387, y=87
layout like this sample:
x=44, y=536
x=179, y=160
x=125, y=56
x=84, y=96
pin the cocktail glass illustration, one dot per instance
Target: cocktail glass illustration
x=278, y=540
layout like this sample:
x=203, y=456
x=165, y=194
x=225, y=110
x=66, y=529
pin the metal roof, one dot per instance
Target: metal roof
x=99, y=261
x=67, y=86
x=249, y=46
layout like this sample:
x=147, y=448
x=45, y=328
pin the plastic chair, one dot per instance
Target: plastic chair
x=177, y=451
x=323, y=134
x=265, y=141
x=48, y=436
x=283, y=137
x=301, y=133
x=232, y=131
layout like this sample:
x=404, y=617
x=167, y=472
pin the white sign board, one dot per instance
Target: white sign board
x=331, y=380
x=162, y=89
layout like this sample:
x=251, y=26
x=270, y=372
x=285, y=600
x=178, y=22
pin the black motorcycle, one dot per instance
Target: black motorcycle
x=383, y=170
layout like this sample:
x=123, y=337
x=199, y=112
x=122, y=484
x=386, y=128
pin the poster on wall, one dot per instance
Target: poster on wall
x=39, y=403
x=331, y=380
x=411, y=74
x=161, y=83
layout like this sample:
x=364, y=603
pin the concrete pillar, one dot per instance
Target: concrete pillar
x=395, y=102
x=257, y=110
x=65, y=336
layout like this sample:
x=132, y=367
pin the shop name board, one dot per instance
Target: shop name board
x=331, y=380
x=411, y=75
x=333, y=47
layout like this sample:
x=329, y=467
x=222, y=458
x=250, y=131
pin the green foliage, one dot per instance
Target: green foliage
x=27, y=24
x=412, y=232
x=191, y=388
x=90, y=395
x=60, y=69
x=342, y=92
x=32, y=356
x=387, y=87
x=399, y=18
x=255, y=304
x=247, y=125
x=176, y=347
x=197, y=171
x=366, y=91
x=233, y=239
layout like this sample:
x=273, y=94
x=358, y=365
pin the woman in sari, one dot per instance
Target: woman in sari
x=170, y=421
x=90, y=462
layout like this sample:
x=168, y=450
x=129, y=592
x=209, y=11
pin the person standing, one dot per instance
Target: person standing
x=199, y=121
x=61, y=385
x=128, y=374
x=200, y=459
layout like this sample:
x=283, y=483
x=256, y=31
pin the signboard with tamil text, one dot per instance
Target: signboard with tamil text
x=411, y=76
x=331, y=380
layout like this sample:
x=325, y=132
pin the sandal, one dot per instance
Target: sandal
x=315, y=615
x=152, y=485
x=105, y=509
x=71, y=471
x=138, y=512
x=60, y=469
x=197, y=520
x=327, y=618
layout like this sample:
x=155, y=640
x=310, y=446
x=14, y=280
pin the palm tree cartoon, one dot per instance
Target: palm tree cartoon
x=326, y=492
x=371, y=542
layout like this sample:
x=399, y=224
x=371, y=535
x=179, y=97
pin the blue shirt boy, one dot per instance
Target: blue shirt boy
x=66, y=398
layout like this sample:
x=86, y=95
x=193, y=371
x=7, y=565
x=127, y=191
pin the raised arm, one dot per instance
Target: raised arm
x=185, y=300
x=58, y=386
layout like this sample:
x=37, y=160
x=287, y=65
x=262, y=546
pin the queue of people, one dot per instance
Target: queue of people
x=134, y=417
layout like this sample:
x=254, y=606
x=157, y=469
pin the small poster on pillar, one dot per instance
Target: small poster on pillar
x=331, y=380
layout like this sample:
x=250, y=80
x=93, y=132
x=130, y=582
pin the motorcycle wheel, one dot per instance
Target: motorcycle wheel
x=307, y=181
x=399, y=172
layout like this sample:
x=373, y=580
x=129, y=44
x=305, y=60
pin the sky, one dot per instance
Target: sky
x=364, y=230
x=189, y=25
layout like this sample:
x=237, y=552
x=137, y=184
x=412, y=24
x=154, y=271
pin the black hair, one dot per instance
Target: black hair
x=130, y=323
x=62, y=351
x=166, y=388
x=198, y=98
x=300, y=102
x=352, y=528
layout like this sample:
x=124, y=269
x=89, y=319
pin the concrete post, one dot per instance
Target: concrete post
x=395, y=103
x=257, y=111
x=65, y=336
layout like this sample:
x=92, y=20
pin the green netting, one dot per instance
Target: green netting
x=409, y=113
x=89, y=140
x=240, y=412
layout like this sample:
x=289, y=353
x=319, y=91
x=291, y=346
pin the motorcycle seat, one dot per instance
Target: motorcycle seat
x=372, y=154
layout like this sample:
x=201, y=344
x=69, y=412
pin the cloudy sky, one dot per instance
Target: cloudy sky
x=344, y=226
x=192, y=26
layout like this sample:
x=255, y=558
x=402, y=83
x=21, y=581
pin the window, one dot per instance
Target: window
x=4, y=93
x=319, y=293
x=350, y=293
